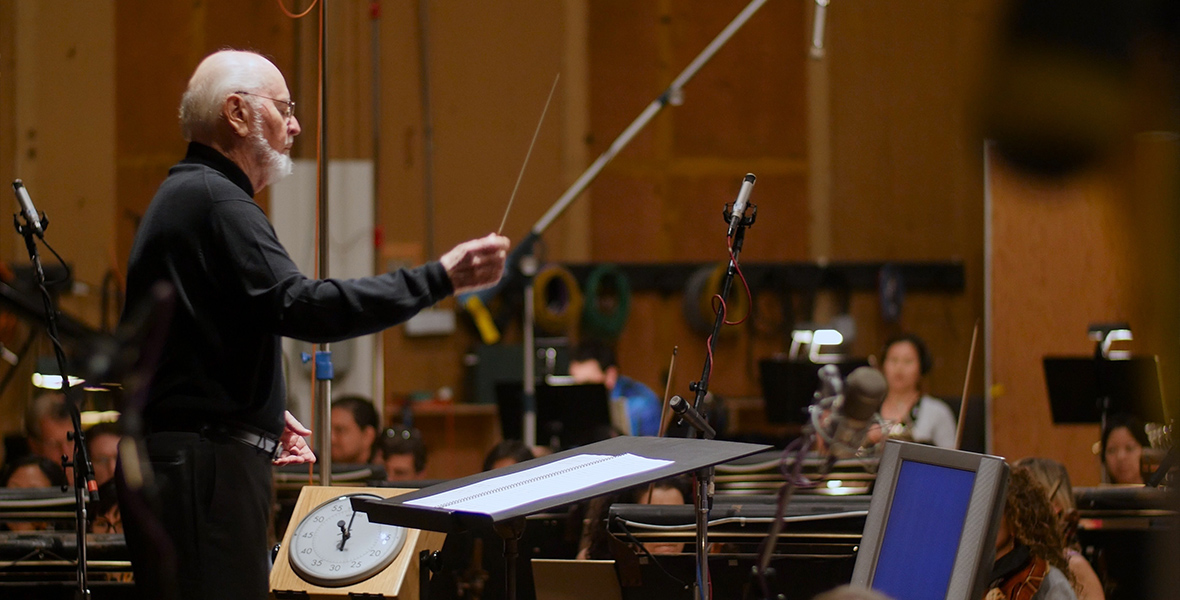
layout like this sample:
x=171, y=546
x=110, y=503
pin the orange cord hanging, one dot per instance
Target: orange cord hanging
x=318, y=159
x=293, y=15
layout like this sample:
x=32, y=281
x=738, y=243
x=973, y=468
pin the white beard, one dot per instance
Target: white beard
x=277, y=165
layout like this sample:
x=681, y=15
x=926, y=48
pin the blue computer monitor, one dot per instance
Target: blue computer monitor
x=931, y=529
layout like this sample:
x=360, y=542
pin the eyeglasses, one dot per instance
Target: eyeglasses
x=108, y=524
x=287, y=111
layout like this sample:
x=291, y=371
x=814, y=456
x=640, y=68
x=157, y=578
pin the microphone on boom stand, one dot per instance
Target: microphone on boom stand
x=739, y=205
x=851, y=409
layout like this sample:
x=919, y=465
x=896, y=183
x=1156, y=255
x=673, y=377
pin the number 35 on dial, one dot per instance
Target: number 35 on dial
x=335, y=546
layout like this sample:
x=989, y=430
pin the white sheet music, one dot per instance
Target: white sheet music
x=546, y=481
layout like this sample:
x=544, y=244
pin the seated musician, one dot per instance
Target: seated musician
x=596, y=542
x=1030, y=548
x=102, y=442
x=848, y=592
x=507, y=453
x=403, y=453
x=104, y=514
x=1122, y=447
x=918, y=416
x=354, y=430
x=1054, y=479
x=594, y=362
x=673, y=491
x=32, y=472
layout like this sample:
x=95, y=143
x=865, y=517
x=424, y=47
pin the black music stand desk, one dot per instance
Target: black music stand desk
x=1085, y=389
x=677, y=455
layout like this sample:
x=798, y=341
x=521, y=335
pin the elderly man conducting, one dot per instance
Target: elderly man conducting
x=215, y=416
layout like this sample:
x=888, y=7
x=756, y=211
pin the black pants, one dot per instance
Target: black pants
x=205, y=535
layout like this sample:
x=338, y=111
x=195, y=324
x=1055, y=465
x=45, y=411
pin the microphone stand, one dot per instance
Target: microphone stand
x=700, y=423
x=84, y=484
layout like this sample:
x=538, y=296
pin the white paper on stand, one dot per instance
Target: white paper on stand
x=545, y=481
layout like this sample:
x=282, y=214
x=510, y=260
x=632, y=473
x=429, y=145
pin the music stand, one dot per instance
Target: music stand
x=788, y=387
x=1086, y=389
x=574, y=414
x=673, y=455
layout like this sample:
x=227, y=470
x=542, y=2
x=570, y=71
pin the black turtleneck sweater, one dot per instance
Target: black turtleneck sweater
x=237, y=292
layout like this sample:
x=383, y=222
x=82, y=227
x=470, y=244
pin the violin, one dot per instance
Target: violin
x=1022, y=584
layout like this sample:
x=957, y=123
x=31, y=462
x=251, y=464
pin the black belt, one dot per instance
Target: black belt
x=264, y=442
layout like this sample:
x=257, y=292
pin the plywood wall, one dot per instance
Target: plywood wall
x=902, y=171
x=661, y=199
x=1098, y=247
x=898, y=175
x=158, y=45
x=490, y=69
x=906, y=171
x=57, y=96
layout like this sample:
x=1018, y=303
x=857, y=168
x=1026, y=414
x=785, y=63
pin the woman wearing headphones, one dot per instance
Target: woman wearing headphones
x=916, y=416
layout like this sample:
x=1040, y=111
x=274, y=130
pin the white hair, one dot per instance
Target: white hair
x=200, y=107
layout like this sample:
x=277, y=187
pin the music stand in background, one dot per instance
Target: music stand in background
x=575, y=415
x=1087, y=390
x=788, y=387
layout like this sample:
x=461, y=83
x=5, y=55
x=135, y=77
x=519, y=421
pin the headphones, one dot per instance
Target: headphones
x=925, y=361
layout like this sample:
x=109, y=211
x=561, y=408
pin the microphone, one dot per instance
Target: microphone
x=852, y=412
x=739, y=205
x=830, y=382
x=817, y=29
x=26, y=205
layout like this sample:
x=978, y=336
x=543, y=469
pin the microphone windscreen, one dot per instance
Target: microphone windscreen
x=864, y=391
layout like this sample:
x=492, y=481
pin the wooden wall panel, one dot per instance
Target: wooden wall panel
x=13, y=399
x=749, y=102
x=491, y=68
x=65, y=150
x=906, y=174
x=8, y=131
x=1058, y=266
x=158, y=45
x=1099, y=247
x=661, y=199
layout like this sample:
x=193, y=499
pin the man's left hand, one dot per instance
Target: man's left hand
x=295, y=449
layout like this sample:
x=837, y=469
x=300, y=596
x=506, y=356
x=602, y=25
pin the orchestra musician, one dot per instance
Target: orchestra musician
x=215, y=417
x=1054, y=479
x=1122, y=446
x=1030, y=547
x=917, y=416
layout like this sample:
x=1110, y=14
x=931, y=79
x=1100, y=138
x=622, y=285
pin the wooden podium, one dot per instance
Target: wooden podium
x=398, y=580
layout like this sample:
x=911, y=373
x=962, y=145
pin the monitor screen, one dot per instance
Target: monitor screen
x=924, y=526
x=932, y=523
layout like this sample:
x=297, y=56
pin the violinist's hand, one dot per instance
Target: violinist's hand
x=295, y=449
x=477, y=263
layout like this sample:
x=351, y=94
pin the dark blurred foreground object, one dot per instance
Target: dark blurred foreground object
x=1059, y=92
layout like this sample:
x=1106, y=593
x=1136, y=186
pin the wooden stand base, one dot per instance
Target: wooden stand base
x=399, y=580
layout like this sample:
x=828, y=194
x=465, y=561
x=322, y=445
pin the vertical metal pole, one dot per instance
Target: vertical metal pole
x=704, y=481
x=323, y=431
x=427, y=122
x=528, y=267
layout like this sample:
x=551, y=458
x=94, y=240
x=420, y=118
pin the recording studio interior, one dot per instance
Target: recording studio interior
x=571, y=299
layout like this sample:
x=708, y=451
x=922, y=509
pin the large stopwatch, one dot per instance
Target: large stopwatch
x=335, y=546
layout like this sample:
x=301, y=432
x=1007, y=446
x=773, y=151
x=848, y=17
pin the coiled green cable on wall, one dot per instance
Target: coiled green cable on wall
x=598, y=318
